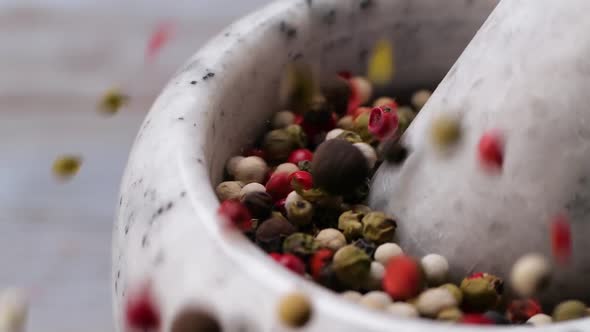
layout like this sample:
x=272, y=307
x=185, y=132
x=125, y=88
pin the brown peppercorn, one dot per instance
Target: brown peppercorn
x=379, y=227
x=393, y=151
x=272, y=232
x=300, y=244
x=337, y=92
x=338, y=167
x=295, y=310
x=195, y=320
x=259, y=203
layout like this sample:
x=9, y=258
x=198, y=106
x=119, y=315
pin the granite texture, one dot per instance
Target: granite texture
x=167, y=230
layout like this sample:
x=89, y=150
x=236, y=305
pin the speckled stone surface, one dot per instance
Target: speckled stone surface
x=167, y=230
x=522, y=77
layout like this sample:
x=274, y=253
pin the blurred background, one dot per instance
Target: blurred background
x=57, y=59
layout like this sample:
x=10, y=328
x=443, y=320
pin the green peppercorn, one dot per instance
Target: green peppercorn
x=352, y=266
x=298, y=138
x=300, y=213
x=361, y=127
x=338, y=167
x=271, y=233
x=569, y=310
x=259, y=203
x=405, y=115
x=393, y=151
x=455, y=291
x=350, y=224
x=450, y=315
x=445, y=131
x=337, y=92
x=349, y=136
x=299, y=244
x=378, y=227
x=278, y=144
x=481, y=293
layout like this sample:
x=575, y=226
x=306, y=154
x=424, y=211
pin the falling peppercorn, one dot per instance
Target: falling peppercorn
x=112, y=101
x=194, y=320
x=67, y=166
x=295, y=310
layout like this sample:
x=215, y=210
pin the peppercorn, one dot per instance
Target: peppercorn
x=195, y=319
x=363, y=87
x=236, y=214
x=271, y=233
x=445, y=131
x=346, y=123
x=288, y=168
x=251, y=187
x=278, y=186
x=432, y=301
x=569, y=310
x=295, y=310
x=386, y=251
x=297, y=135
x=384, y=101
x=259, y=204
x=349, y=136
x=540, y=319
x=378, y=227
x=361, y=127
x=453, y=314
x=228, y=190
x=337, y=92
x=232, y=165
x=282, y=119
x=481, y=293
x=393, y=151
x=338, y=167
x=436, y=269
x=420, y=97
x=330, y=238
x=352, y=266
x=369, y=153
x=490, y=150
x=366, y=246
x=300, y=213
x=476, y=319
x=251, y=169
x=278, y=144
x=375, y=300
x=350, y=223
x=351, y=296
x=334, y=133
x=305, y=165
x=383, y=123
x=456, y=291
x=141, y=310
x=299, y=244
x=496, y=317
x=375, y=276
x=403, y=278
x=405, y=116
x=519, y=311
x=530, y=274
x=291, y=262
x=292, y=198
x=318, y=261
x=300, y=155
x=402, y=309
x=301, y=180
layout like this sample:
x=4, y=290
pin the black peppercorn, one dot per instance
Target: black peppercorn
x=339, y=167
x=337, y=92
x=393, y=151
x=259, y=203
x=366, y=246
x=272, y=232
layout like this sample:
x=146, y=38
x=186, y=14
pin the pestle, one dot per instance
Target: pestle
x=525, y=75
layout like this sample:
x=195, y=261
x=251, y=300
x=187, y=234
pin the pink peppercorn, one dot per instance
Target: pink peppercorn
x=519, y=311
x=140, y=310
x=561, y=239
x=300, y=155
x=279, y=186
x=403, y=278
x=290, y=261
x=476, y=319
x=301, y=180
x=236, y=214
x=491, y=150
x=383, y=122
x=318, y=261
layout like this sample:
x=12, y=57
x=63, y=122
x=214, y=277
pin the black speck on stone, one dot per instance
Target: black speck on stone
x=330, y=17
x=194, y=124
x=289, y=31
x=366, y=4
x=193, y=82
x=181, y=118
x=226, y=34
x=200, y=161
x=182, y=194
x=144, y=241
x=169, y=205
x=120, y=200
x=126, y=229
x=160, y=211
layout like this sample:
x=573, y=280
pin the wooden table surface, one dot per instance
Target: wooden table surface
x=56, y=58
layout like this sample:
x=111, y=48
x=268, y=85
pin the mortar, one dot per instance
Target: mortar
x=167, y=230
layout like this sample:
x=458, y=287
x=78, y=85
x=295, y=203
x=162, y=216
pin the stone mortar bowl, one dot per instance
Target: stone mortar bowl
x=167, y=230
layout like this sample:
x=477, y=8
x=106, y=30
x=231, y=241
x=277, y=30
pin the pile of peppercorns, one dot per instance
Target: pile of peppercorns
x=300, y=194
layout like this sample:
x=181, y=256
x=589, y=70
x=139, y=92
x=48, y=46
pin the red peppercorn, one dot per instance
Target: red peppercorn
x=300, y=155
x=476, y=319
x=476, y=275
x=290, y=261
x=403, y=278
x=279, y=186
x=561, y=239
x=491, y=150
x=383, y=122
x=255, y=152
x=280, y=206
x=320, y=259
x=298, y=119
x=301, y=180
x=345, y=74
x=519, y=311
x=236, y=214
x=140, y=310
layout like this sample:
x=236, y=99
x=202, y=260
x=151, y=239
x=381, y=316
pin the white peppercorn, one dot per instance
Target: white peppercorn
x=529, y=274
x=436, y=269
x=386, y=251
x=228, y=190
x=292, y=198
x=352, y=296
x=540, y=319
x=251, y=169
x=369, y=153
x=363, y=87
x=375, y=276
x=286, y=168
x=334, y=133
x=420, y=98
x=282, y=119
x=232, y=164
x=376, y=300
x=433, y=301
x=402, y=309
x=330, y=238
x=251, y=188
